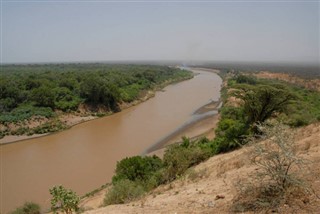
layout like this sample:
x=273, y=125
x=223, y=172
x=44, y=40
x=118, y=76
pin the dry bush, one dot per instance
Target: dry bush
x=275, y=182
x=228, y=165
x=194, y=175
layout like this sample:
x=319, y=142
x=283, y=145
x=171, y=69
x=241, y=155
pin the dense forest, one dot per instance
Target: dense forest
x=42, y=90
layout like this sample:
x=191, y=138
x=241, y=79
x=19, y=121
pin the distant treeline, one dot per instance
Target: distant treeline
x=304, y=71
x=40, y=89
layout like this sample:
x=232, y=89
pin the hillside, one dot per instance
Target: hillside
x=210, y=187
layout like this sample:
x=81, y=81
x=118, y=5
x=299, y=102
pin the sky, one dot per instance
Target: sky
x=241, y=31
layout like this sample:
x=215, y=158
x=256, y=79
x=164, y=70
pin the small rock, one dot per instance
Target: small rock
x=210, y=204
x=219, y=197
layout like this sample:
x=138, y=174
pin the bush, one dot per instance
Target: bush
x=27, y=208
x=277, y=157
x=275, y=179
x=251, y=80
x=178, y=158
x=122, y=192
x=51, y=126
x=24, y=112
x=20, y=131
x=230, y=135
x=137, y=168
x=64, y=199
x=231, y=112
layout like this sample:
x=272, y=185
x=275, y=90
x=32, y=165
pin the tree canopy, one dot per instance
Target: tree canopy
x=261, y=102
x=65, y=86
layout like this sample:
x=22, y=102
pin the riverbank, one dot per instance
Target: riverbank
x=72, y=119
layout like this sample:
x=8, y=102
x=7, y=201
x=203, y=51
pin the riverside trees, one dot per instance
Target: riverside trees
x=25, y=90
x=257, y=100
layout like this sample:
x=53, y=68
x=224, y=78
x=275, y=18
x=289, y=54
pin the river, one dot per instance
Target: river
x=84, y=157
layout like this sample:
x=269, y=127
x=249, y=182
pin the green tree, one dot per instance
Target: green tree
x=43, y=96
x=64, y=199
x=9, y=94
x=98, y=91
x=137, y=168
x=262, y=101
x=65, y=100
x=230, y=135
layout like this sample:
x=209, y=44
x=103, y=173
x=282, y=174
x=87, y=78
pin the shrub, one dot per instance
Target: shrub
x=137, y=168
x=51, y=126
x=20, y=131
x=251, y=80
x=122, y=192
x=63, y=199
x=207, y=146
x=24, y=112
x=231, y=112
x=275, y=179
x=28, y=208
x=276, y=158
x=178, y=158
x=230, y=135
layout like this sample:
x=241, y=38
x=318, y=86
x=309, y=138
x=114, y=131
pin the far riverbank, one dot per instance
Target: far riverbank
x=73, y=119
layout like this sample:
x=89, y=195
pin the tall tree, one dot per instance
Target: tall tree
x=262, y=101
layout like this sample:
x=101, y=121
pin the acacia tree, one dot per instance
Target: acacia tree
x=262, y=101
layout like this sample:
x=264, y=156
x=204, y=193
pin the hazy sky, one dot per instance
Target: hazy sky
x=53, y=31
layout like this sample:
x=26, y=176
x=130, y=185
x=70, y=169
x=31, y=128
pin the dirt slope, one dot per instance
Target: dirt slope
x=211, y=186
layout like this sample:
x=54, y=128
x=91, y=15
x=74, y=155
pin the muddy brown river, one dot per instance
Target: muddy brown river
x=84, y=157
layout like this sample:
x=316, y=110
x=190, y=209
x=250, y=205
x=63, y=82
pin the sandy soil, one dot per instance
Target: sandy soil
x=211, y=186
x=68, y=119
x=14, y=138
